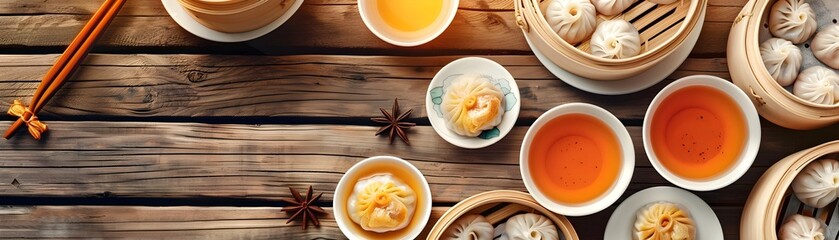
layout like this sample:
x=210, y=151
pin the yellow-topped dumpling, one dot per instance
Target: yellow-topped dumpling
x=382, y=203
x=664, y=221
x=472, y=104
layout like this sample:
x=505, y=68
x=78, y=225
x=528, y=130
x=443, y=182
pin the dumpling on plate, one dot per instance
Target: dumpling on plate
x=782, y=60
x=817, y=84
x=381, y=203
x=800, y=227
x=817, y=185
x=472, y=104
x=469, y=227
x=530, y=226
x=615, y=39
x=793, y=20
x=572, y=20
x=825, y=46
x=663, y=221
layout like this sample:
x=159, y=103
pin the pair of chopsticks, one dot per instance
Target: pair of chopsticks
x=62, y=69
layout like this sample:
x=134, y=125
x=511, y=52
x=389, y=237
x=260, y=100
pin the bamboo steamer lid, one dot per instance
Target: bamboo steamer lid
x=486, y=203
x=773, y=102
x=663, y=29
x=236, y=15
x=760, y=215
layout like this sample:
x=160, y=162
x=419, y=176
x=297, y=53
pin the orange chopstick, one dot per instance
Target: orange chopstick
x=71, y=58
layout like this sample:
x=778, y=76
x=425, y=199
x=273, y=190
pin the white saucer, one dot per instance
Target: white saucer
x=499, y=76
x=629, y=85
x=622, y=222
x=186, y=21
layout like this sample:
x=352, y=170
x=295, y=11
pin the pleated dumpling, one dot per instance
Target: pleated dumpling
x=818, y=183
x=530, y=226
x=615, y=39
x=469, y=227
x=472, y=104
x=611, y=7
x=817, y=84
x=825, y=46
x=382, y=203
x=664, y=221
x=800, y=227
x=782, y=60
x=793, y=20
x=572, y=20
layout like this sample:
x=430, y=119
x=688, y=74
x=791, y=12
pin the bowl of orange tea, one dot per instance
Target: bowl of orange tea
x=407, y=22
x=701, y=133
x=576, y=159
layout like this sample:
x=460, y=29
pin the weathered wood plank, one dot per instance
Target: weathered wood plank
x=143, y=86
x=182, y=160
x=314, y=27
x=47, y=222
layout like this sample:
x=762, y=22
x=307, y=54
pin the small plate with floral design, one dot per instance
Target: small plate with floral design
x=487, y=69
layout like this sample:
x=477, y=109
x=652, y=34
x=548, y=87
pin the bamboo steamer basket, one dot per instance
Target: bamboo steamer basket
x=235, y=16
x=497, y=206
x=663, y=29
x=773, y=102
x=771, y=200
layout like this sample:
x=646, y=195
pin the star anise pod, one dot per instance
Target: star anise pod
x=394, y=122
x=303, y=207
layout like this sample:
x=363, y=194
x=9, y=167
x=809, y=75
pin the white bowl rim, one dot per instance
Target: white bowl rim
x=338, y=208
x=624, y=176
x=436, y=33
x=747, y=156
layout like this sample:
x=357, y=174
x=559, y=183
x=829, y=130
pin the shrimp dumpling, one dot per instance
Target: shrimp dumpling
x=472, y=104
x=817, y=84
x=817, y=185
x=782, y=60
x=469, y=227
x=800, y=227
x=825, y=46
x=793, y=20
x=664, y=221
x=611, y=7
x=382, y=203
x=530, y=226
x=615, y=39
x=572, y=20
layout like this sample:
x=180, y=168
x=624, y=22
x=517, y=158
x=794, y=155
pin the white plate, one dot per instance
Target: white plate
x=186, y=21
x=500, y=77
x=629, y=85
x=622, y=222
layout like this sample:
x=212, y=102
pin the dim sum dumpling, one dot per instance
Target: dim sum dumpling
x=817, y=84
x=471, y=104
x=782, y=59
x=818, y=183
x=615, y=39
x=793, y=20
x=529, y=226
x=382, y=203
x=825, y=46
x=469, y=227
x=572, y=20
x=611, y=7
x=664, y=220
x=800, y=227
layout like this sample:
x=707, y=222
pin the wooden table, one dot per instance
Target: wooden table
x=162, y=134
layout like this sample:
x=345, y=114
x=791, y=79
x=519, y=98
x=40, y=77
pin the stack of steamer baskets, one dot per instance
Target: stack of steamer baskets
x=234, y=16
x=664, y=30
x=774, y=102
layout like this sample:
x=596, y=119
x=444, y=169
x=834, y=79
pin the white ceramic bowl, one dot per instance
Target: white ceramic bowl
x=624, y=173
x=750, y=148
x=346, y=184
x=369, y=14
x=499, y=76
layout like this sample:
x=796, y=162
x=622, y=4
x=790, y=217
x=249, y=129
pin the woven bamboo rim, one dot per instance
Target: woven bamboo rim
x=756, y=79
x=686, y=14
x=760, y=215
x=519, y=201
x=222, y=7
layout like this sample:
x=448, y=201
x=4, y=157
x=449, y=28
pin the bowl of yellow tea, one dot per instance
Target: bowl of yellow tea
x=407, y=22
x=576, y=159
x=701, y=133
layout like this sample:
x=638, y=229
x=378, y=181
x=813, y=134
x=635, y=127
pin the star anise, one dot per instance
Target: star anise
x=394, y=122
x=303, y=207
